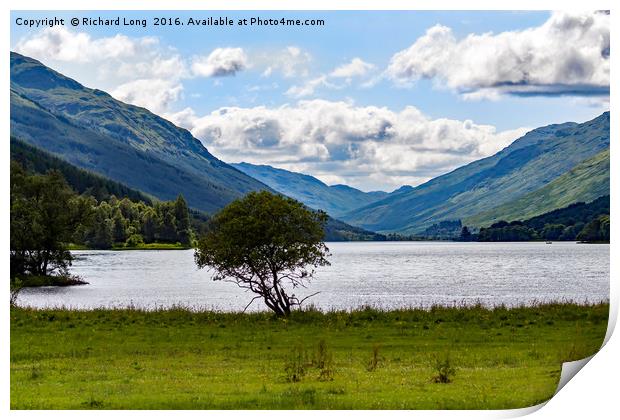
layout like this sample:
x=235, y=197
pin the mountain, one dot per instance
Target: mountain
x=125, y=143
x=528, y=164
x=585, y=182
x=35, y=160
x=38, y=161
x=334, y=200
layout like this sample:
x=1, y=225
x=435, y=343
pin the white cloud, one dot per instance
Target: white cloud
x=221, y=62
x=291, y=62
x=568, y=54
x=368, y=147
x=153, y=94
x=356, y=68
x=58, y=43
x=136, y=70
x=309, y=87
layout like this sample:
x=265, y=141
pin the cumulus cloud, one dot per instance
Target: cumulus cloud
x=59, y=43
x=566, y=55
x=356, y=68
x=135, y=70
x=290, y=62
x=153, y=94
x=368, y=147
x=220, y=62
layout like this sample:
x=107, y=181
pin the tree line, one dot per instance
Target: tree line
x=584, y=222
x=47, y=215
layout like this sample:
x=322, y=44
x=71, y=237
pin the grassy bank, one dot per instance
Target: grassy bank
x=122, y=247
x=60, y=280
x=153, y=246
x=502, y=358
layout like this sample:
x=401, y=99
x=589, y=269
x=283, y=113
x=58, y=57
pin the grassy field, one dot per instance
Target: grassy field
x=177, y=359
x=122, y=247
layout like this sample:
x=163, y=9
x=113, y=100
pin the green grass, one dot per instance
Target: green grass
x=154, y=245
x=122, y=247
x=367, y=359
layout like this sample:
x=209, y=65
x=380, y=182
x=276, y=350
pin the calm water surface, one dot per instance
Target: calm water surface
x=383, y=274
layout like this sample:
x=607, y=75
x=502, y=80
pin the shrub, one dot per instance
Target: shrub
x=444, y=370
x=134, y=241
x=373, y=363
x=16, y=287
x=324, y=361
x=296, y=364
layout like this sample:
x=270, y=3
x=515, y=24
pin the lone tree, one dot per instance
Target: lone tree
x=264, y=242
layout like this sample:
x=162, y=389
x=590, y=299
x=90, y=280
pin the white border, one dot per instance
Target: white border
x=592, y=393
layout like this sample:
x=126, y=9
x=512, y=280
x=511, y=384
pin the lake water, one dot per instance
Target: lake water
x=382, y=274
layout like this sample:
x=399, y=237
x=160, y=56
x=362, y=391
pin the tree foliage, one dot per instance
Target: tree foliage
x=588, y=222
x=45, y=213
x=265, y=243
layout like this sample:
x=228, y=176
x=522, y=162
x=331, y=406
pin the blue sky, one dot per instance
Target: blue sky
x=372, y=99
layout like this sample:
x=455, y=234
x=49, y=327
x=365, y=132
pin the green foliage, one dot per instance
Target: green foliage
x=578, y=221
x=598, y=230
x=265, y=242
x=134, y=241
x=296, y=363
x=45, y=214
x=465, y=235
x=375, y=358
x=16, y=286
x=446, y=229
x=444, y=370
x=324, y=361
x=507, y=232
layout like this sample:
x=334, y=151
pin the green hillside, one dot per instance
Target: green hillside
x=585, y=182
x=527, y=165
x=125, y=143
x=35, y=160
x=334, y=200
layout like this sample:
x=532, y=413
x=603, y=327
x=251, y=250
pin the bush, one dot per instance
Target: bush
x=444, y=370
x=324, y=361
x=16, y=287
x=134, y=241
x=373, y=363
x=296, y=364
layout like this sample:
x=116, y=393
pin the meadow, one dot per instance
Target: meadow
x=442, y=358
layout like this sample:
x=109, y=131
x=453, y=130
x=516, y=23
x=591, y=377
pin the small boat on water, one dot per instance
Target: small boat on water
x=548, y=242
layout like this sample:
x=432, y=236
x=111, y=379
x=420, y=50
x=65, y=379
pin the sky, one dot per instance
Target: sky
x=371, y=99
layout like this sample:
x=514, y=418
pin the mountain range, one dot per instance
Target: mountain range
x=476, y=191
x=335, y=199
x=548, y=168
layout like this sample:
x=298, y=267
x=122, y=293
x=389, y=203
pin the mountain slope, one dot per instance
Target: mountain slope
x=36, y=160
x=125, y=143
x=585, y=182
x=334, y=200
x=528, y=164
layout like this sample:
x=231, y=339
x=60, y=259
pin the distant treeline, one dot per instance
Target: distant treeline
x=586, y=222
